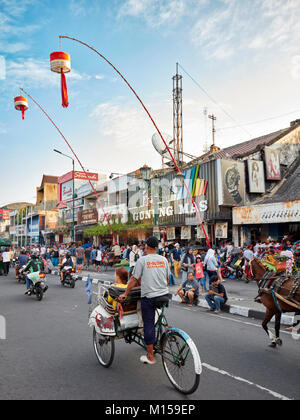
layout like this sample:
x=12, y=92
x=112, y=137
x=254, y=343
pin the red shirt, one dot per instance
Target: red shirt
x=199, y=274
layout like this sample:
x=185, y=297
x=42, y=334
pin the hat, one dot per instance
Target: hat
x=152, y=242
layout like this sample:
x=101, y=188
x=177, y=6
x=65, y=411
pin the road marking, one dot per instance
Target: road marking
x=238, y=321
x=237, y=378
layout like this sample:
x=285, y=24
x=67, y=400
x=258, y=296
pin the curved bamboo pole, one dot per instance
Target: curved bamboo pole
x=155, y=125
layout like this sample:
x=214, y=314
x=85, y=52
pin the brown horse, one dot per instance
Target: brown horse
x=273, y=303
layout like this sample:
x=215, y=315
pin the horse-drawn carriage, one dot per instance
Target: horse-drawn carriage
x=112, y=321
x=279, y=292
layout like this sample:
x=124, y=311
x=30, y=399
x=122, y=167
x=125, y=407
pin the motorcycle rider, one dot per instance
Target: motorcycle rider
x=66, y=265
x=34, y=265
x=22, y=260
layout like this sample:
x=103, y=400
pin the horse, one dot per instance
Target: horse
x=283, y=296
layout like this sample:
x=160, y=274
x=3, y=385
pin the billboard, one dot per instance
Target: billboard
x=256, y=176
x=272, y=159
x=231, y=182
x=67, y=191
x=221, y=231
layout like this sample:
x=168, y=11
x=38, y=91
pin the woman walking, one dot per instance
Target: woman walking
x=211, y=264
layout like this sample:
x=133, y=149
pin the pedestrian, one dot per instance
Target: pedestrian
x=211, y=264
x=176, y=258
x=79, y=254
x=6, y=261
x=87, y=254
x=98, y=259
x=55, y=257
x=216, y=296
x=133, y=258
x=199, y=274
x=187, y=262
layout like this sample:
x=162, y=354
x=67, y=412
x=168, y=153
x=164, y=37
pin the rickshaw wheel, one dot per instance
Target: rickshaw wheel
x=104, y=347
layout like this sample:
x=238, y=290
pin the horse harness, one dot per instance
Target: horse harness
x=269, y=285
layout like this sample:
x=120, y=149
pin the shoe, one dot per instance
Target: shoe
x=145, y=360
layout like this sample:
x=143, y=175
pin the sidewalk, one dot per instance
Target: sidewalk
x=240, y=295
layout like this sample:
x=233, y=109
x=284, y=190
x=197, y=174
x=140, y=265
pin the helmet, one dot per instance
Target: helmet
x=34, y=254
x=68, y=254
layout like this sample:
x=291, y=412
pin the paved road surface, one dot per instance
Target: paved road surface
x=48, y=354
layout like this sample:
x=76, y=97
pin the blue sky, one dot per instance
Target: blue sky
x=245, y=53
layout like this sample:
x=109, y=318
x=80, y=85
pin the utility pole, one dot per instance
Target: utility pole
x=213, y=118
x=177, y=116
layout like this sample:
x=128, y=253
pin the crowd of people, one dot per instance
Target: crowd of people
x=198, y=269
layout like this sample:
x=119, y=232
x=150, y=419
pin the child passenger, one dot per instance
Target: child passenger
x=199, y=274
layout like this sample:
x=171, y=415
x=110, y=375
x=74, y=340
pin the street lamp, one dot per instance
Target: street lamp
x=73, y=195
x=113, y=174
x=146, y=173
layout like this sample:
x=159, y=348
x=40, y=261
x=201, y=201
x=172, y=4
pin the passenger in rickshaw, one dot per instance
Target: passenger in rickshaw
x=121, y=280
x=152, y=273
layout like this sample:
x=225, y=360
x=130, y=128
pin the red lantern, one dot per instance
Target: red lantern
x=60, y=62
x=21, y=104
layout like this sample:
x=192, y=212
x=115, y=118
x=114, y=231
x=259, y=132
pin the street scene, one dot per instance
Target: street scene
x=150, y=203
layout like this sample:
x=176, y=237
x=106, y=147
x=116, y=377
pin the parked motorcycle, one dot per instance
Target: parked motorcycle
x=69, y=279
x=232, y=269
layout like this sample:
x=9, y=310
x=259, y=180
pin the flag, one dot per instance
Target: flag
x=88, y=289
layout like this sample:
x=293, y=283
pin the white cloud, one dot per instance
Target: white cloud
x=295, y=67
x=38, y=73
x=157, y=13
x=237, y=26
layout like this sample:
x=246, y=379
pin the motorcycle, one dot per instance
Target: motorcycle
x=38, y=286
x=21, y=276
x=232, y=269
x=68, y=278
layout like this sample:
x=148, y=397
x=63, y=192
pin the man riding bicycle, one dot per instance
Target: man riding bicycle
x=151, y=272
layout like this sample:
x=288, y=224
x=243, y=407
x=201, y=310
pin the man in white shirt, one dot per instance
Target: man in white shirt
x=6, y=261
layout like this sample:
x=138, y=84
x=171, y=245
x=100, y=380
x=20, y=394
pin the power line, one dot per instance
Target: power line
x=260, y=121
x=214, y=101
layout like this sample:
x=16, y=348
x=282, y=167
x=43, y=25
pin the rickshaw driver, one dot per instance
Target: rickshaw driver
x=152, y=273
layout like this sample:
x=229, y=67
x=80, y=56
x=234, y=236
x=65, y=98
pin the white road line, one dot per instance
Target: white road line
x=238, y=321
x=237, y=378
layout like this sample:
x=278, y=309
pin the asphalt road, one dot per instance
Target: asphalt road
x=48, y=354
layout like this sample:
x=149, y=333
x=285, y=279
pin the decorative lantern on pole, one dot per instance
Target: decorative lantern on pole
x=21, y=104
x=60, y=62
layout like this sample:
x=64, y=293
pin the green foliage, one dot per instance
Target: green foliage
x=103, y=230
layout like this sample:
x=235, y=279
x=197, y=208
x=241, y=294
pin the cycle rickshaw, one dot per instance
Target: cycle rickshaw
x=112, y=322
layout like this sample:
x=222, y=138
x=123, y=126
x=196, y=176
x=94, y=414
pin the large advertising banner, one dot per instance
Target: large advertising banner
x=186, y=232
x=221, y=231
x=272, y=157
x=256, y=176
x=67, y=191
x=231, y=182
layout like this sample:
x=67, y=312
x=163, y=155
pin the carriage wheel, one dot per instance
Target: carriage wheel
x=104, y=347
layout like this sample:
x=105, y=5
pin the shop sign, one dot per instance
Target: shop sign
x=286, y=212
x=171, y=234
x=221, y=231
x=168, y=211
x=88, y=217
x=200, y=233
x=186, y=232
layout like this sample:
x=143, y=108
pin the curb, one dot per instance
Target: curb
x=231, y=309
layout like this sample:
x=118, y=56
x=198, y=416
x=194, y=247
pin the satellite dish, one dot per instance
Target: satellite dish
x=160, y=146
